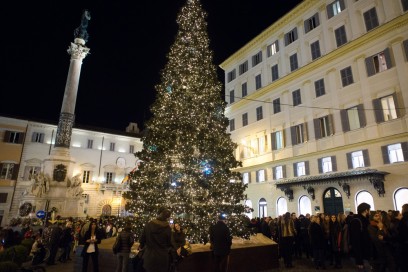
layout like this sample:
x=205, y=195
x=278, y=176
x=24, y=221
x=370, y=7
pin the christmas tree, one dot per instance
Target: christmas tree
x=188, y=155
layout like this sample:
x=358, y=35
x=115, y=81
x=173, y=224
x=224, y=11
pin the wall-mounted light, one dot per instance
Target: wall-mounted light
x=346, y=188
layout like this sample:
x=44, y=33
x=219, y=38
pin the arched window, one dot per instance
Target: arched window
x=400, y=198
x=281, y=206
x=262, y=208
x=106, y=210
x=305, y=205
x=366, y=197
x=248, y=203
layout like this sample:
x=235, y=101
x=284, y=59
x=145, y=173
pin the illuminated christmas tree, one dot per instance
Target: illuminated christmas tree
x=188, y=155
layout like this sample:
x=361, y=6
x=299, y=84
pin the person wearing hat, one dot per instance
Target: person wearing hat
x=156, y=243
x=221, y=241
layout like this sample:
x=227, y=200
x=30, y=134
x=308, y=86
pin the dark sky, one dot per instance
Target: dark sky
x=128, y=42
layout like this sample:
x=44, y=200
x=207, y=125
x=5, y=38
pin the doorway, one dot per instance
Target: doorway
x=332, y=201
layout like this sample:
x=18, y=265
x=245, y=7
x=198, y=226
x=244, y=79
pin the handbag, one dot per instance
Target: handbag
x=116, y=245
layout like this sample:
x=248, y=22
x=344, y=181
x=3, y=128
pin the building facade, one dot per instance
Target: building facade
x=100, y=160
x=317, y=104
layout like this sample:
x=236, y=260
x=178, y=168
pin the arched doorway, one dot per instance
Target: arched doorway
x=263, y=208
x=332, y=201
x=106, y=210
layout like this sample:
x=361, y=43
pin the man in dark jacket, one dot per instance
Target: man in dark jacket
x=361, y=245
x=55, y=234
x=221, y=241
x=156, y=242
x=125, y=240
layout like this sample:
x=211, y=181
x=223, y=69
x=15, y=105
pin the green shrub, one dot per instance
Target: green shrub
x=8, y=267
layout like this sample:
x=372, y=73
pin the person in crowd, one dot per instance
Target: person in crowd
x=265, y=227
x=108, y=230
x=55, y=232
x=221, y=241
x=77, y=232
x=361, y=245
x=126, y=242
x=402, y=250
x=66, y=242
x=317, y=242
x=297, y=245
x=273, y=226
x=179, y=240
x=156, y=243
x=335, y=240
x=92, y=238
x=287, y=229
x=304, y=234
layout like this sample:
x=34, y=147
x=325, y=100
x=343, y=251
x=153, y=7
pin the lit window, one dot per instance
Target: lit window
x=395, y=153
x=357, y=159
x=300, y=169
x=388, y=107
x=335, y=8
x=260, y=176
x=263, y=208
x=378, y=63
x=278, y=172
x=326, y=164
x=245, y=178
x=277, y=140
x=272, y=49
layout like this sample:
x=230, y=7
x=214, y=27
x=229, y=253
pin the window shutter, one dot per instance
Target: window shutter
x=249, y=177
x=304, y=131
x=33, y=136
x=342, y=6
x=349, y=161
x=334, y=163
x=14, y=175
x=307, y=168
x=273, y=173
x=405, y=45
x=21, y=137
x=257, y=176
x=361, y=115
x=7, y=136
x=273, y=137
x=331, y=125
x=329, y=11
x=369, y=66
x=1, y=167
x=283, y=138
x=295, y=169
x=277, y=45
x=318, y=133
x=293, y=135
x=284, y=171
x=320, y=166
x=306, y=26
x=316, y=16
x=366, y=158
x=286, y=39
x=398, y=101
x=386, y=158
x=404, y=147
x=388, y=60
x=378, y=111
x=295, y=35
x=344, y=120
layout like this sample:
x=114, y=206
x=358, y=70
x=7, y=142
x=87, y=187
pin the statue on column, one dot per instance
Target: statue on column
x=81, y=32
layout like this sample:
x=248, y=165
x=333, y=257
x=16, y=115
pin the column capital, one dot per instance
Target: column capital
x=78, y=50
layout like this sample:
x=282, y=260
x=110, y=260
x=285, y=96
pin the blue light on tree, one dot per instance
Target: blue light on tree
x=206, y=168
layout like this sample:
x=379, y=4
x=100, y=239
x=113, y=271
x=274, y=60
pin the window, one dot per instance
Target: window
x=37, y=137
x=293, y=62
x=298, y=134
x=30, y=171
x=327, y=164
x=231, y=76
x=395, y=152
x=260, y=175
x=341, y=37
x=259, y=113
x=112, y=147
x=232, y=96
x=257, y=58
x=7, y=170
x=335, y=8
x=13, y=137
x=323, y=127
x=358, y=159
x=275, y=72
x=296, y=97
x=305, y=205
x=276, y=106
x=245, y=149
x=312, y=23
x=371, y=19
x=353, y=118
x=244, y=89
x=315, y=50
x=262, y=144
x=131, y=149
x=90, y=144
x=279, y=172
x=385, y=108
x=232, y=124
x=366, y=197
x=378, y=63
x=346, y=76
x=319, y=87
x=3, y=197
x=272, y=49
x=291, y=36
x=108, y=177
x=301, y=168
x=86, y=176
x=245, y=119
x=258, y=82
x=277, y=140
x=243, y=67
x=281, y=206
x=246, y=178
x=263, y=208
x=400, y=198
x=404, y=5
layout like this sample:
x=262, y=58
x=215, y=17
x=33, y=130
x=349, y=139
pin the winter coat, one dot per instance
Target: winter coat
x=336, y=235
x=361, y=245
x=156, y=242
x=220, y=238
x=126, y=241
x=316, y=234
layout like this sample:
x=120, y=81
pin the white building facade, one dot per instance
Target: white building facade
x=317, y=104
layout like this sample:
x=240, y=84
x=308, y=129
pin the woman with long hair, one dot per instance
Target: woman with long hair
x=92, y=238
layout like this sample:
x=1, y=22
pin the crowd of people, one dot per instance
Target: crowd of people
x=374, y=240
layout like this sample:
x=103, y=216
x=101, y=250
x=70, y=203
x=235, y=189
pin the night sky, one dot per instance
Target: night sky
x=128, y=42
